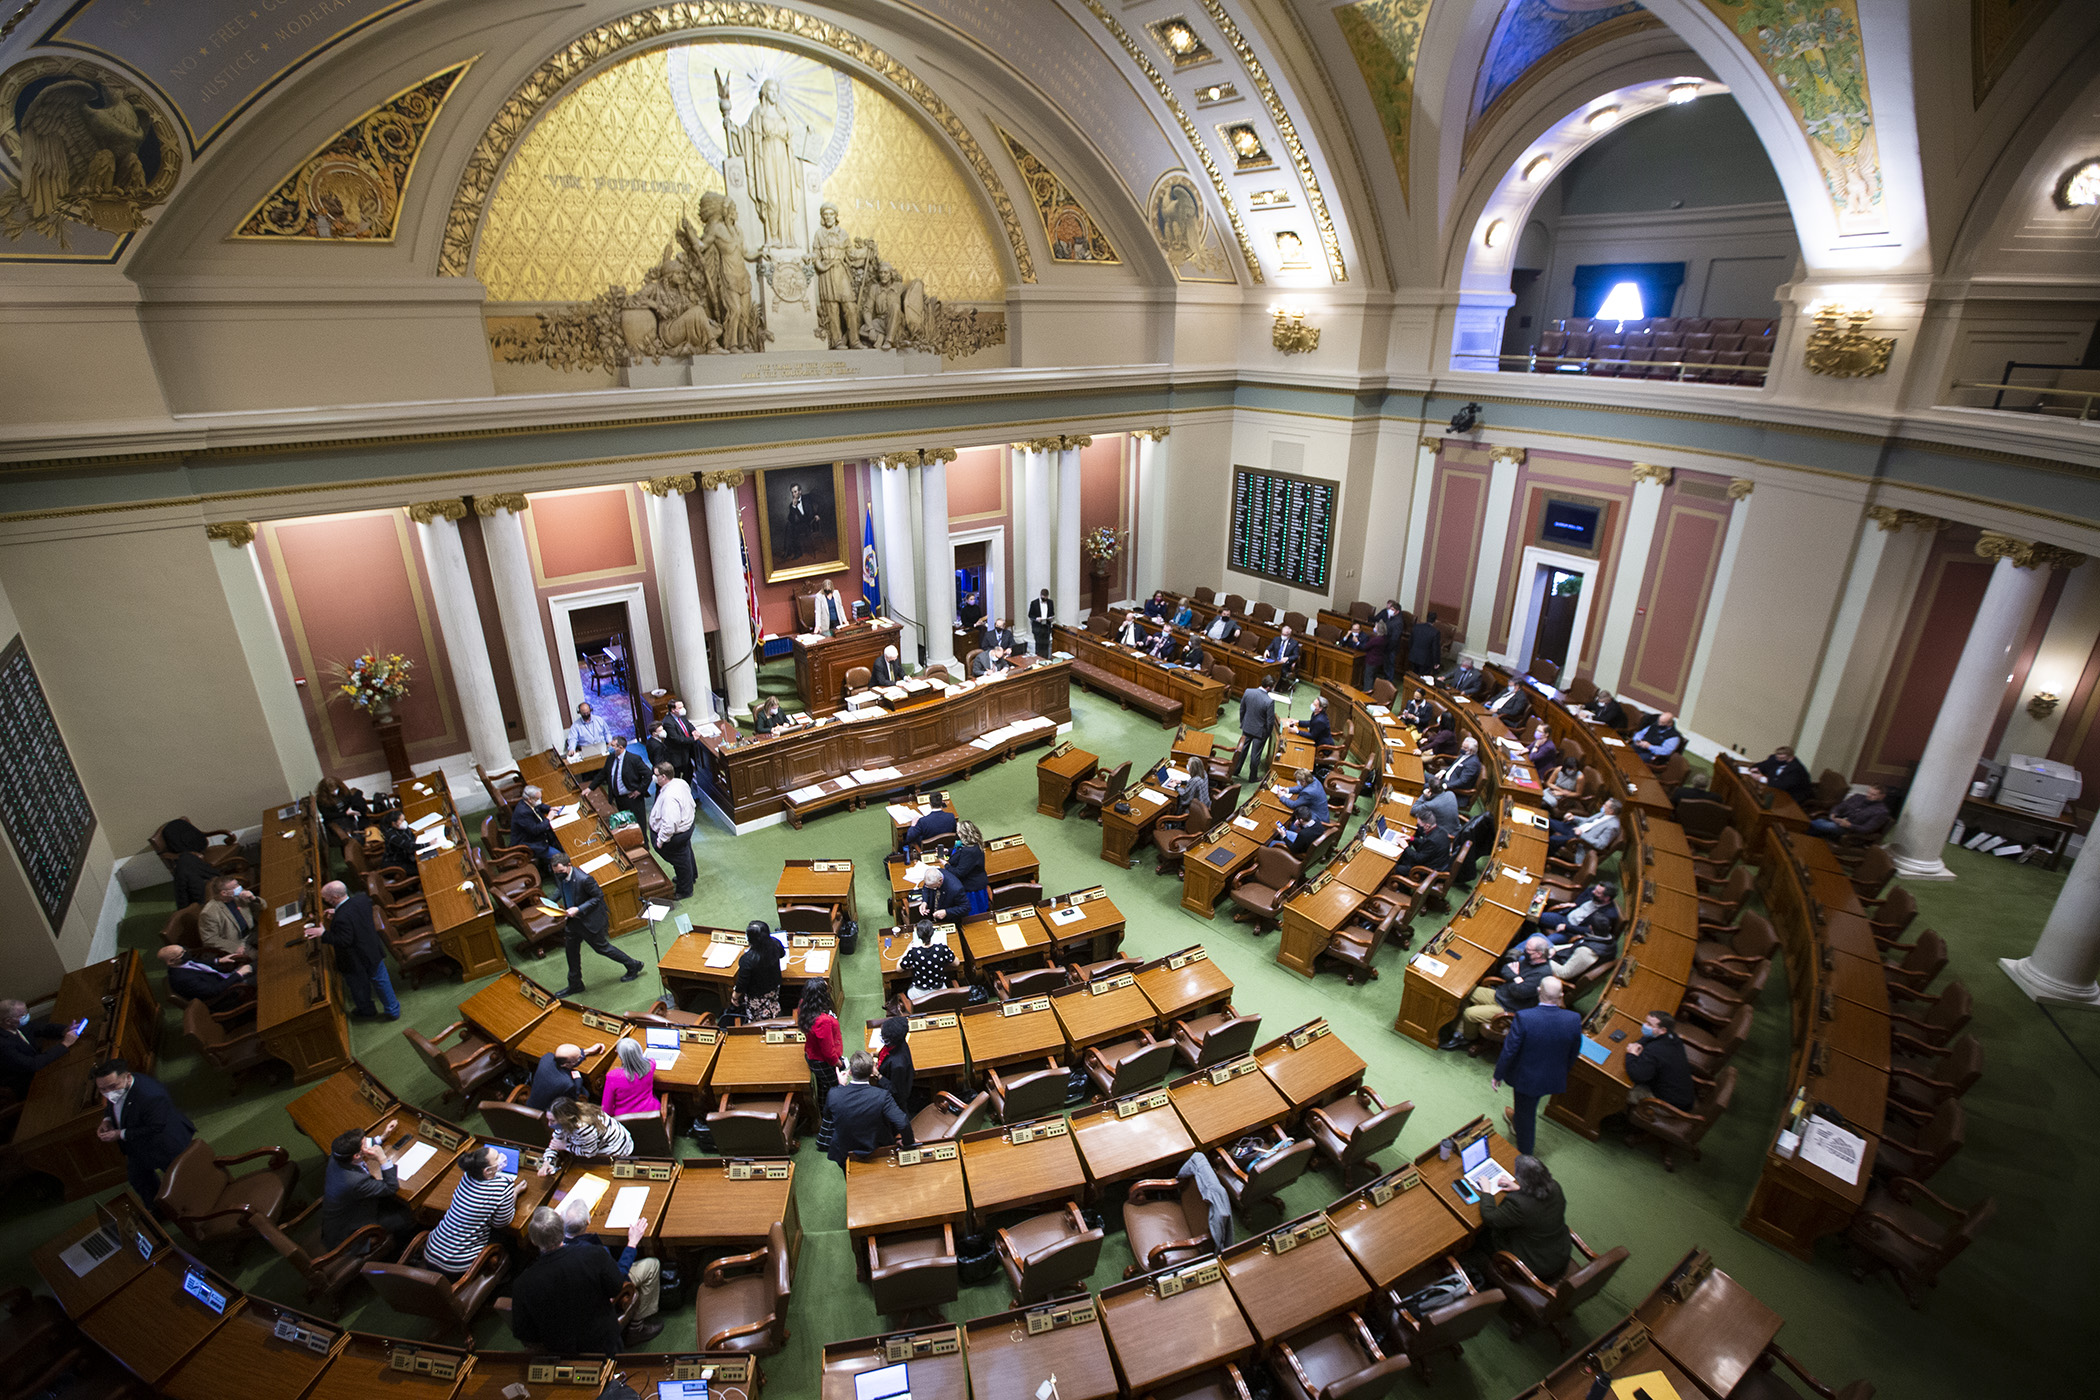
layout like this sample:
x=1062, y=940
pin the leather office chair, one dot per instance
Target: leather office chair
x=327, y=1272
x=1175, y=834
x=743, y=1300
x=1224, y=675
x=1720, y=861
x=1712, y=1004
x=1259, y=891
x=651, y=883
x=914, y=1272
x=1924, y=1083
x=467, y=1067
x=505, y=790
x=234, y=1055
x=1703, y=822
x=1351, y=1130
x=1356, y=943
x=1718, y=912
x=1023, y=1093
x=1097, y=792
x=651, y=1130
x=1734, y=955
x=519, y=881
x=1345, y=789
x=1916, y=1143
x=199, y=1196
x=1551, y=1306
x=510, y=1120
x=1672, y=771
x=948, y=1117
x=413, y=1287
x=1260, y=1185
x=1443, y=1329
x=182, y=928
x=1680, y=1130
x=1167, y=1223
x=1215, y=1036
x=1947, y=1016
x=1033, y=982
x=755, y=1125
x=808, y=918
x=1762, y=1381
x=857, y=678
x=1893, y=917
x=398, y=895
x=942, y=999
x=1083, y=973
x=1337, y=1359
x=1126, y=1066
x=1205, y=596
x=494, y=843
x=1383, y=692
x=1048, y=1255
x=537, y=930
x=415, y=949
x=1924, y=958
x=1017, y=894
x=222, y=849
x=1707, y=1051
x=1873, y=873
x=1895, y=1230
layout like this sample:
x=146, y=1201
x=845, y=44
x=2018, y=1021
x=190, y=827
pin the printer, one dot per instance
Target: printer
x=2037, y=785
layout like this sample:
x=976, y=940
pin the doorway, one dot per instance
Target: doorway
x=1549, y=640
x=1550, y=618
x=607, y=657
x=970, y=604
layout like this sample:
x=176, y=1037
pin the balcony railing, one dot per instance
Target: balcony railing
x=2074, y=394
x=1687, y=349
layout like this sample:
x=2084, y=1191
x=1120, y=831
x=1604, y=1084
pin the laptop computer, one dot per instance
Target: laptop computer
x=887, y=1383
x=1482, y=1171
x=681, y=1390
x=509, y=1155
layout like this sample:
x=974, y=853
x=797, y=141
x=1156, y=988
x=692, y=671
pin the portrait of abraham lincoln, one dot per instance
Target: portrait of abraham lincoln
x=800, y=528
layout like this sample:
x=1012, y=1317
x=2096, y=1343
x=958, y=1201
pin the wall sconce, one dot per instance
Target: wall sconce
x=1847, y=352
x=1290, y=334
x=2041, y=704
x=2080, y=186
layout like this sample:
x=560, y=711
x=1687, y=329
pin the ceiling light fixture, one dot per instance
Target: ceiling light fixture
x=1683, y=91
x=2080, y=187
x=1179, y=37
x=1603, y=117
x=1537, y=166
x=1497, y=233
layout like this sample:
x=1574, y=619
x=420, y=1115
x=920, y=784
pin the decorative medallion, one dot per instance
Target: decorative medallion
x=1846, y=352
x=350, y=191
x=1073, y=235
x=90, y=148
x=1184, y=46
x=1175, y=211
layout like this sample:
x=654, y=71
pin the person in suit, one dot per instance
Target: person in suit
x=1591, y=916
x=1463, y=771
x=937, y=900
x=1789, y=774
x=530, y=828
x=1597, y=832
x=1431, y=845
x=865, y=1116
x=141, y=1119
x=684, y=740
x=1531, y=1222
x=400, y=851
x=887, y=670
x=1257, y=723
x=893, y=1065
x=1299, y=834
x=964, y=873
x=360, y=1187
x=1042, y=616
x=657, y=747
x=1537, y=1054
x=671, y=830
x=1511, y=707
x=799, y=528
x=1193, y=655
x=1658, y=739
x=559, y=1075
x=988, y=662
x=1425, y=647
x=1658, y=1066
x=1318, y=727
x=360, y=954
x=1185, y=615
x=1858, y=814
x=227, y=922
x=1156, y=607
x=1130, y=634
x=1222, y=628
x=830, y=608
x=566, y=1301
x=219, y=983
x=1418, y=713
x=1467, y=680
x=999, y=633
x=1437, y=802
x=1284, y=653
x=938, y=821
x=23, y=1045
x=1607, y=711
x=1519, y=989
x=770, y=716
x=1308, y=795
x=625, y=778
x=581, y=899
x=1164, y=648
x=971, y=613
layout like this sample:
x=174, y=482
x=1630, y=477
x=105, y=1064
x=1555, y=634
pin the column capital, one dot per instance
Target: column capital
x=1892, y=520
x=1513, y=456
x=238, y=534
x=727, y=479
x=1430, y=444
x=512, y=501
x=677, y=485
x=1073, y=444
x=916, y=457
x=2025, y=555
x=1651, y=473
x=423, y=512
x=1042, y=444
x=1740, y=488
x=1158, y=434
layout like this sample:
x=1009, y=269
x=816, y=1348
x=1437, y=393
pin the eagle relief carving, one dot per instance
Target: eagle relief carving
x=85, y=147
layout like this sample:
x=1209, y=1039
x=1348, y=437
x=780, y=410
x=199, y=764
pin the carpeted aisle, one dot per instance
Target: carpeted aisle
x=2014, y=1305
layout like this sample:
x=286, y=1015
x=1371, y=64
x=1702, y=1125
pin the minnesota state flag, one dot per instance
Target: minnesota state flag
x=870, y=568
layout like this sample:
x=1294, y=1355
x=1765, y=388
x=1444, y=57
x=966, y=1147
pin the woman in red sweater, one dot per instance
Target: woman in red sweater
x=822, y=1043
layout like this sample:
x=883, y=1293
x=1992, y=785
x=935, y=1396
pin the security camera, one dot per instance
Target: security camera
x=1466, y=419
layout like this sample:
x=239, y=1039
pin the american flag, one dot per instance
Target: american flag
x=750, y=584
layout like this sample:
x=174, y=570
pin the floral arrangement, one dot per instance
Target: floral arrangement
x=373, y=681
x=1104, y=542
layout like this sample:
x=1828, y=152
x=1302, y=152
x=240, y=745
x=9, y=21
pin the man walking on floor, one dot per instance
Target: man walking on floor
x=580, y=897
x=1537, y=1054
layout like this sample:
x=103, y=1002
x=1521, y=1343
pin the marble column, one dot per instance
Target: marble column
x=1426, y=450
x=1949, y=762
x=900, y=582
x=1071, y=602
x=255, y=624
x=1649, y=482
x=678, y=590
x=524, y=634
x=940, y=554
x=737, y=655
x=2066, y=958
x=1494, y=545
x=1035, y=528
x=1149, y=557
x=452, y=589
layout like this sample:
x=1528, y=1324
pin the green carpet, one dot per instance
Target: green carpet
x=2031, y=1120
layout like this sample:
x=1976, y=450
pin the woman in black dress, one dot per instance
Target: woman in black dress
x=758, y=974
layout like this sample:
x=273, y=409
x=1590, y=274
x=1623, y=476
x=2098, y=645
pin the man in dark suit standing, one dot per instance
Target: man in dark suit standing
x=1537, y=1054
x=1042, y=616
x=684, y=740
x=584, y=903
x=938, y=821
x=1257, y=723
x=864, y=1115
x=218, y=983
x=143, y=1121
x=625, y=778
x=23, y=1046
x=530, y=828
x=360, y=954
x=1425, y=648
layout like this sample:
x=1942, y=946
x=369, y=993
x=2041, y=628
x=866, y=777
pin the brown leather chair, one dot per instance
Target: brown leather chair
x=1924, y=958
x=857, y=678
x=413, y=1286
x=914, y=1271
x=234, y=1055
x=1920, y=1083
x=1895, y=1231
x=1174, y=834
x=1916, y=1143
x=467, y=1067
x=199, y=1196
x=1720, y=861
x=327, y=1272
x=1260, y=890
x=1718, y=912
x=651, y=883
x=1872, y=875
x=493, y=843
x=1703, y=822
x=651, y=1131
x=1023, y=1093
x=1098, y=791
x=1893, y=917
x=743, y=1300
x=1048, y=1255
x=1712, y=1004
x=1680, y=1130
x=1017, y=894
x=1944, y=1019
x=1215, y=1037
x=1083, y=973
x=1261, y=1185
x=1383, y=691
x=808, y=918
x=942, y=999
x=1034, y=982
x=1707, y=1051
x=505, y=790
x=1734, y=955
x=1351, y=1130
x=1551, y=1306
x=537, y=930
x=510, y=1120
x=755, y=1125
x=1443, y=1329
x=222, y=849
x=1337, y=1359
x=1356, y=943
x=948, y=1117
x=415, y=948
x=517, y=880
x=182, y=928
x=1762, y=1381
x=1167, y=1223
x=1345, y=788
x=1126, y=1066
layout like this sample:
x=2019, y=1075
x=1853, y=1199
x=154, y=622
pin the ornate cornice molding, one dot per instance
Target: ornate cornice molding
x=1514, y=456
x=237, y=533
x=512, y=501
x=916, y=457
x=452, y=508
x=1066, y=443
x=1891, y=520
x=2026, y=555
x=1651, y=473
x=678, y=485
x=727, y=479
x=1158, y=434
x=1740, y=488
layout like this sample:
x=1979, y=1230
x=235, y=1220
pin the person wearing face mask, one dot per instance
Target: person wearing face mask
x=27, y=1045
x=143, y=1122
x=1658, y=1066
x=227, y=923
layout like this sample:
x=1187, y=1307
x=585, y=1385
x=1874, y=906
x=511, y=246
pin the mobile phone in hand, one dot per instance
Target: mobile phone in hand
x=80, y=1025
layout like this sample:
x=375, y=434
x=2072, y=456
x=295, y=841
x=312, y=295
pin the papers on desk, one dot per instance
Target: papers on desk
x=1524, y=816
x=596, y=863
x=1831, y=1148
x=1157, y=799
x=1381, y=848
x=1380, y=710
x=720, y=955
x=874, y=1039
x=807, y=794
x=1070, y=914
x=626, y=1207
x=1246, y=823
x=1615, y=743
x=1594, y=1052
x=876, y=775
x=590, y=1189
x=917, y=871
x=661, y=1038
x=426, y=821
x=289, y=913
x=414, y=1160
x=1012, y=939
x=817, y=962
x=1516, y=876
x=901, y=813
x=809, y=639
x=1435, y=967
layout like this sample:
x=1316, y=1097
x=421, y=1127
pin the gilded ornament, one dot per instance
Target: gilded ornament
x=1891, y=519
x=452, y=508
x=1430, y=444
x=1073, y=235
x=1650, y=472
x=1158, y=434
x=237, y=533
x=1849, y=353
x=2026, y=555
x=1740, y=488
x=1291, y=335
x=512, y=501
x=1182, y=227
x=726, y=480
x=17, y=17
x=1508, y=456
x=677, y=485
x=91, y=148
x=1385, y=38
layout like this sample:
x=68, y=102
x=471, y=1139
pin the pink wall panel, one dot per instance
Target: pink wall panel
x=1458, y=505
x=1689, y=534
x=583, y=533
x=1101, y=503
x=1948, y=595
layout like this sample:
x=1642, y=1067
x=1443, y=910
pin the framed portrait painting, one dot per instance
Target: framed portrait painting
x=801, y=529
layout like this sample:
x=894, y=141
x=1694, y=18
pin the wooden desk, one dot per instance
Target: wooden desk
x=587, y=840
x=56, y=1131
x=1090, y=1017
x=1854, y=1088
x=1124, y=832
x=245, y=1356
x=1179, y=991
x=685, y=971
x=349, y=1098
x=1391, y=1241
x=1282, y=1292
x=659, y=1196
x=1057, y=773
x=821, y=662
x=1007, y=938
x=882, y=1196
x=364, y=1369
x=1439, y=1174
x=496, y=1372
x=746, y=1064
x=996, y=1039
x=1158, y=1340
x=1596, y=1091
x=568, y=1024
x=80, y=1293
x=1321, y=1069
x=801, y=882
x=1208, y=867
x=151, y=1324
x=532, y=1190
x=1437, y=983
x=1310, y=918
x=1220, y=1113
x=1192, y=743
x=1008, y=859
x=297, y=1010
x=1862, y=982
x=1019, y=1165
x=415, y=1128
x=936, y=1048
x=905, y=810
x=686, y=1078
x=1201, y=696
x=1114, y=1148
x=507, y=1008
x=1717, y=1334
x=1857, y=1031
x=936, y=1372
x=1095, y=936
x=1572, y=1380
x=708, y=1210
x=1075, y=1352
x=462, y=915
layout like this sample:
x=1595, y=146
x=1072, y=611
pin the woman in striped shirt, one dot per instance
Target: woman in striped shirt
x=582, y=1129
x=484, y=1200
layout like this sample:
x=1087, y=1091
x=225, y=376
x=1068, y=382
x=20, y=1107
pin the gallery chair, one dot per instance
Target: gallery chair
x=411, y=1286
x=1923, y=1082
x=1048, y=1255
x=1351, y=1130
x=200, y=1197
x=743, y=1300
x=514, y=1122
x=1916, y=1143
x=1097, y=792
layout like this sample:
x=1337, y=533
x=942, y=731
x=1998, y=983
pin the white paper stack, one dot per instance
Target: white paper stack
x=426, y=821
x=1433, y=966
x=1516, y=876
x=1831, y=1148
x=589, y=1189
x=626, y=1207
x=1381, y=848
x=817, y=962
x=1246, y=823
x=984, y=742
x=1011, y=938
x=596, y=864
x=415, y=1159
x=722, y=955
x=1070, y=914
x=899, y=812
x=806, y=794
x=662, y=1059
x=1157, y=799
x=916, y=872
